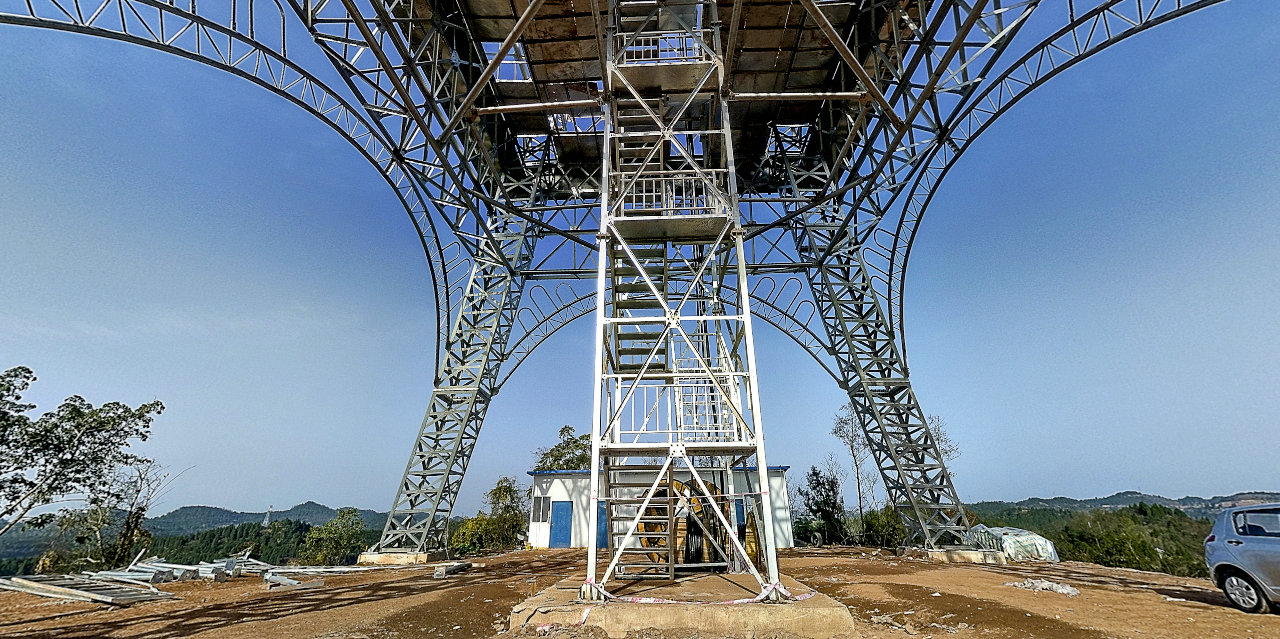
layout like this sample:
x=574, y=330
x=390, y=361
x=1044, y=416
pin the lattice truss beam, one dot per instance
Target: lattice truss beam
x=487, y=120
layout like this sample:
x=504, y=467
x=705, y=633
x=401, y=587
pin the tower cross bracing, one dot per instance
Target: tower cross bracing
x=682, y=169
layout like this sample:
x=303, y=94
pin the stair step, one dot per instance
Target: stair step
x=628, y=270
x=639, y=351
x=634, y=303
x=629, y=162
x=635, y=287
x=658, y=369
x=640, y=336
x=643, y=251
x=631, y=102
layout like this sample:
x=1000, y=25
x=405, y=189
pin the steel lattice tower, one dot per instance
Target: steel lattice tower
x=679, y=167
x=675, y=370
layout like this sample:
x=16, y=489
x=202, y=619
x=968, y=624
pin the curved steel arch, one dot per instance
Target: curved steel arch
x=1070, y=45
x=236, y=49
x=567, y=310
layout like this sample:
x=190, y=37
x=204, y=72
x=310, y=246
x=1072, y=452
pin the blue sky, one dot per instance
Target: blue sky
x=1092, y=303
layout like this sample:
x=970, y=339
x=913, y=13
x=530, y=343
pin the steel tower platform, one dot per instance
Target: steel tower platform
x=676, y=168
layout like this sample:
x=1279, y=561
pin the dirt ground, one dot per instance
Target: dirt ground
x=888, y=597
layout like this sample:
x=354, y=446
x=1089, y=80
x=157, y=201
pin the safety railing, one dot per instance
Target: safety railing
x=666, y=193
x=664, y=47
x=686, y=410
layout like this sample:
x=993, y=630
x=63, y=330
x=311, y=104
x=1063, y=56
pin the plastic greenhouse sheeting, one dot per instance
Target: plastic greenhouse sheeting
x=1017, y=544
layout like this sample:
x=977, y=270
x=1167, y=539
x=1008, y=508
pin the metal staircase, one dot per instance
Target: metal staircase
x=676, y=398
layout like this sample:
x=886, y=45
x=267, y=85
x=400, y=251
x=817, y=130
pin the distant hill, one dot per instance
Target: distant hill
x=194, y=519
x=24, y=542
x=1196, y=507
x=187, y=520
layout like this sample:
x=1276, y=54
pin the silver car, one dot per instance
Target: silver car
x=1243, y=555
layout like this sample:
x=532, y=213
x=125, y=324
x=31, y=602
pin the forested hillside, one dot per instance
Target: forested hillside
x=192, y=519
x=277, y=543
x=1196, y=507
x=1142, y=536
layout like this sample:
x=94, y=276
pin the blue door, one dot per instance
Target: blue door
x=602, y=527
x=561, y=524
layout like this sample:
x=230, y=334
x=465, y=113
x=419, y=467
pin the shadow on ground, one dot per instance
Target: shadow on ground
x=184, y=623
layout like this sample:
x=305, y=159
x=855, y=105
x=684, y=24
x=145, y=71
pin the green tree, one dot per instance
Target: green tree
x=336, y=542
x=276, y=543
x=570, y=453
x=508, y=511
x=1142, y=536
x=847, y=427
x=883, y=528
x=71, y=452
x=502, y=528
x=106, y=532
x=865, y=474
x=942, y=439
x=824, y=503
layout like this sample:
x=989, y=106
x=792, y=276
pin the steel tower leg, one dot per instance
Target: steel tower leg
x=875, y=376
x=466, y=382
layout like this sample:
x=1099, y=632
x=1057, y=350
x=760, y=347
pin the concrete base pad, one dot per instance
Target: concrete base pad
x=957, y=555
x=817, y=616
x=398, y=558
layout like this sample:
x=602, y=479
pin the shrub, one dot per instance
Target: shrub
x=337, y=542
x=883, y=528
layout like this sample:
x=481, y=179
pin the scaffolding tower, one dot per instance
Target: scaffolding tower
x=675, y=382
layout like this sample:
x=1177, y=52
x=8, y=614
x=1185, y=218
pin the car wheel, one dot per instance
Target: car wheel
x=1243, y=593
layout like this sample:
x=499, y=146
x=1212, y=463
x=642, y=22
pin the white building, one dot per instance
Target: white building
x=558, y=513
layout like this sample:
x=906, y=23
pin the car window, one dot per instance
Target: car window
x=1258, y=523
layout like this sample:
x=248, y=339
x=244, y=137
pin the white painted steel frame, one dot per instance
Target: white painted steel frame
x=712, y=181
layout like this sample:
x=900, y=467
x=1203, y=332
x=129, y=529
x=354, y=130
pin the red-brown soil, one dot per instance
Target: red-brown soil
x=888, y=596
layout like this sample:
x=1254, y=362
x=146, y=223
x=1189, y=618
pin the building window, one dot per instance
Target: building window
x=541, y=509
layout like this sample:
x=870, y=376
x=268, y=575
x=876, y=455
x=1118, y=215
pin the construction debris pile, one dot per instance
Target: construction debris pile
x=1046, y=585
x=137, y=581
x=155, y=570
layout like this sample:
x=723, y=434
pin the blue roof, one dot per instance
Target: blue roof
x=535, y=473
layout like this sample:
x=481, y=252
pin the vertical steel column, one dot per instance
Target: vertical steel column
x=769, y=538
x=597, y=373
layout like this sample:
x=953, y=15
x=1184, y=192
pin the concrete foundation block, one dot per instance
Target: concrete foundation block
x=816, y=616
x=957, y=555
x=398, y=558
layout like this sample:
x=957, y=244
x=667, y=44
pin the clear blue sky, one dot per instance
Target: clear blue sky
x=1092, y=303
